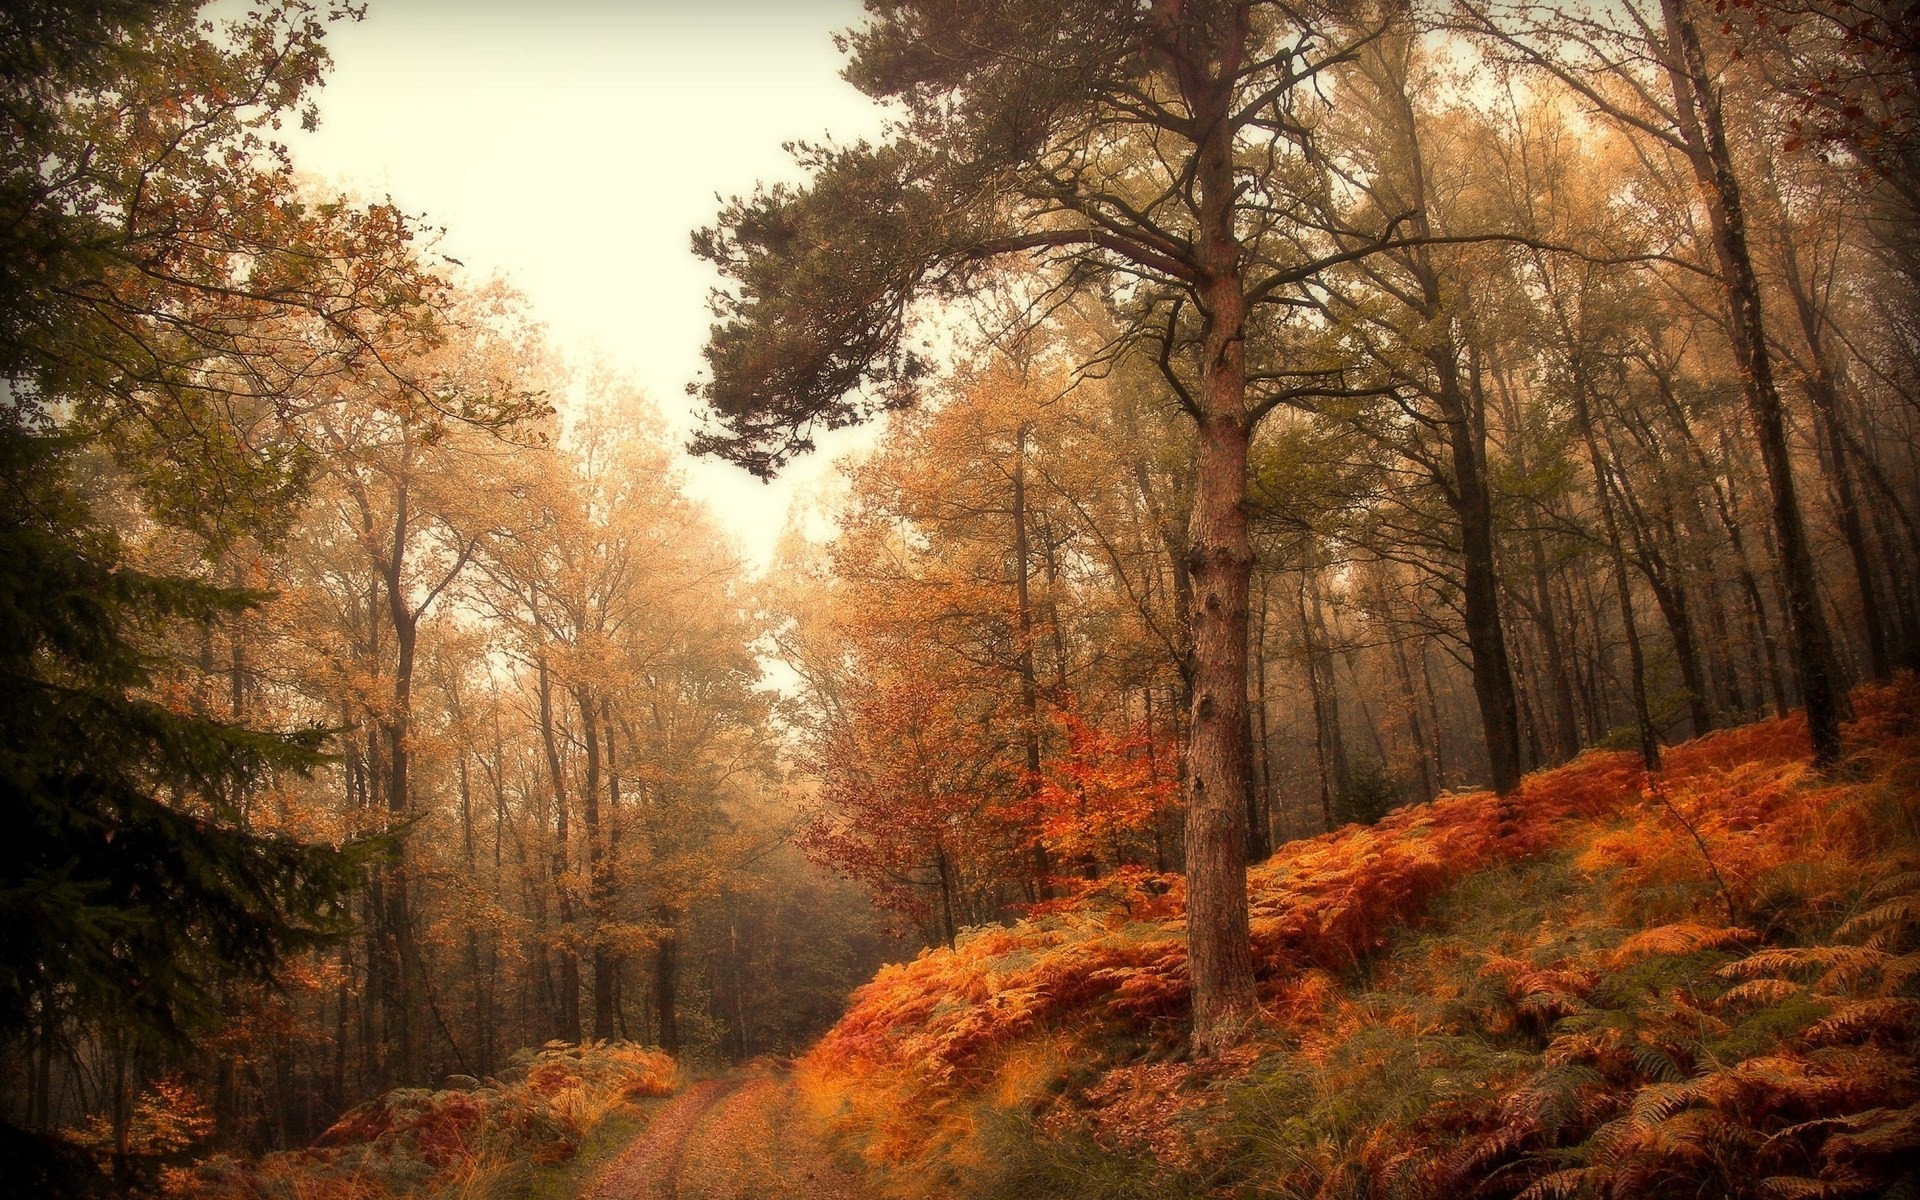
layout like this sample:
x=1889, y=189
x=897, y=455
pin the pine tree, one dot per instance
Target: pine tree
x=129, y=881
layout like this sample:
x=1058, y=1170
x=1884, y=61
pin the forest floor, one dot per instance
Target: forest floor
x=739, y=1137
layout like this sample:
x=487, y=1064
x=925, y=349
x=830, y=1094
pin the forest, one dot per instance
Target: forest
x=1364, y=645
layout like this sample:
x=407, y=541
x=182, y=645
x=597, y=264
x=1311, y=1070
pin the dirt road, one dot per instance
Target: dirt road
x=739, y=1138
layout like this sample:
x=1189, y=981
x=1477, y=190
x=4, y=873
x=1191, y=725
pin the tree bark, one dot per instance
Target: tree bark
x=1623, y=581
x=399, y=954
x=666, y=983
x=567, y=1014
x=599, y=894
x=1316, y=694
x=1029, y=682
x=1823, y=390
x=1472, y=503
x=1220, y=554
x=1260, y=806
x=1697, y=104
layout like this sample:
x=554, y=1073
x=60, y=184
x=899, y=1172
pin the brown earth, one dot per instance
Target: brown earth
x=739, y=1138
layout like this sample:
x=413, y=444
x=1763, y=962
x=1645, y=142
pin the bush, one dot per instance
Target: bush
x=414, y=1141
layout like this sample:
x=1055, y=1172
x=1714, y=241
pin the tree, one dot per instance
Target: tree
x=1145, y=148
x=167, y=276
x=1597, y=57
x=130, y=884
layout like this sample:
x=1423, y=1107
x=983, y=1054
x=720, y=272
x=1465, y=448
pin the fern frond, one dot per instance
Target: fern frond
x=1898, y=914
x=1891, y=1014
x=1656, y=1064
x=1763, y=991
x=1569, y=1184
x=1657, y=1101
x=1843, y=964
x=1892, y=1133
x=1795, y=1187
x=1681, y=937
x=1896, y=884
x=1895, y=972
x=1550, y=1099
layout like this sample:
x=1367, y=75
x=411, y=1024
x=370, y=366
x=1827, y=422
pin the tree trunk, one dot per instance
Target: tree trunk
x=1698, y=104
x=1316, y=693
x=401, y=960
x=1412, y=707
x=1260, y=812
x=1467, y=493
x=607, y=958
x=567, y=1014
x=1029, y=683
x=1472, y=503
x=598, y=894
x=1623, y=582
x=1219, y=941
x=1825, y=395
x=666, y=983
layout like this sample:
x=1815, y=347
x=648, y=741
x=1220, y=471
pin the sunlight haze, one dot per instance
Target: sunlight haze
x=572, y=148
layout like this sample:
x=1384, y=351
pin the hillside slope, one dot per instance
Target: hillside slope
x=1703, y=983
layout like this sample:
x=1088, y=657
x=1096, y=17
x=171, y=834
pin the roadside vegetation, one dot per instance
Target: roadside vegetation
x=1610, y=984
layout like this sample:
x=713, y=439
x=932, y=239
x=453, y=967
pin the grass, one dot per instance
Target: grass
x=568, y=1180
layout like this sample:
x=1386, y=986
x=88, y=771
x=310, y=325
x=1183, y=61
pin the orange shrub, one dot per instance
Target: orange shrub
x=1699, y=1012
x=417, y=1141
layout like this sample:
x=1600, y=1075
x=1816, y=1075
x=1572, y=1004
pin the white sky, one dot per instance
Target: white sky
x=572, y=146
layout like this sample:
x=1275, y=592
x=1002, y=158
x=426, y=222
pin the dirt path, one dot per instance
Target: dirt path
x=740, y=1138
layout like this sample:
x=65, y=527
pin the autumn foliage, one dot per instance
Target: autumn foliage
x=1611, y=986
x=419, y=1141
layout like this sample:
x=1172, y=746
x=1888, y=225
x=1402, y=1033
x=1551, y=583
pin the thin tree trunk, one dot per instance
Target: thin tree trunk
x=1316, y=692
x=1697, y=101
x=401, y=958
x=1261, y=814
x=1566, y=726
x=599, y=894
x=567, y=1014
x=1029, y=683
x=1412, y=707
x=666, y=983
x=1822, y=390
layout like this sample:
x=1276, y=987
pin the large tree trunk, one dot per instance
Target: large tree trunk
x=1219, y=941
x=1697, y=103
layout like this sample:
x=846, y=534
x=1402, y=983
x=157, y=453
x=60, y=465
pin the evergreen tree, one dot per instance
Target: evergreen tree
x=130, y=884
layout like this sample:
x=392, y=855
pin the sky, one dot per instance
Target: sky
x=572, y=146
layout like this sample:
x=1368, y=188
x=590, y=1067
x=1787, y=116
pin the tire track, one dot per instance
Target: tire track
x=759, y=1145
x=650, y=1168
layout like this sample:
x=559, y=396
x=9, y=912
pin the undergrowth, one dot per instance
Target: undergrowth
x=1706, y=982
x=528, y=1133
